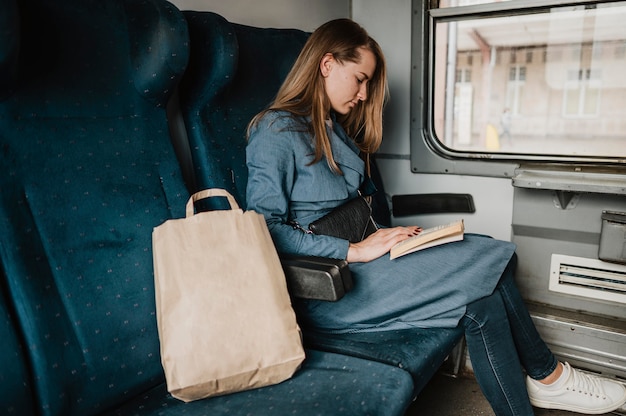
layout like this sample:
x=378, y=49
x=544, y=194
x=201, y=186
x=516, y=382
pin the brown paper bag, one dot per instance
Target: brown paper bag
x=224, y=316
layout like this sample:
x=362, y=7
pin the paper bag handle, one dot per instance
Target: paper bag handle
x=207, y=193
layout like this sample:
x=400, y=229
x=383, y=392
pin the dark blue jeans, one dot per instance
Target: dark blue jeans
x=502, y=339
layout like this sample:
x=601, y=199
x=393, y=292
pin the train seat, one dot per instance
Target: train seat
x=234, y=72
x=88, y=170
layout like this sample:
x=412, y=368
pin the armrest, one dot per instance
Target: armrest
x=316, y=277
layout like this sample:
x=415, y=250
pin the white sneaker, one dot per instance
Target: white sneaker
x=581, y=392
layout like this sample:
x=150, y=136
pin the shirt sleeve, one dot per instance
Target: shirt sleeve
x=272, y=161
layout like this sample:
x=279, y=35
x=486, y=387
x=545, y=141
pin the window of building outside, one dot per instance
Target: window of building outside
x=551, y=81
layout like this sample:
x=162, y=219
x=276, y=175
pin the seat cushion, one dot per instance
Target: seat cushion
x=419, y=351
x=327, y=384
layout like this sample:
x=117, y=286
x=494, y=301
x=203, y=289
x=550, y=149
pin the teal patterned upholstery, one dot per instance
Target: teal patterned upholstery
x=327, y=384
x=419, y=351
x=87, y=172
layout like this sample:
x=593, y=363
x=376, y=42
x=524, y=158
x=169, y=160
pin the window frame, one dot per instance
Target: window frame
x=429, y=155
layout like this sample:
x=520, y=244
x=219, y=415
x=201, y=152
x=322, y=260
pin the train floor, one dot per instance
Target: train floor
x=460, y=396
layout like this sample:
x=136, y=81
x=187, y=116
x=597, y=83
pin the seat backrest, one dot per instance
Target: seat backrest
x=234, y=72
x=88, y=170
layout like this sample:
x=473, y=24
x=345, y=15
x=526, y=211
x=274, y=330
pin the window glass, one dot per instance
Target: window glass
x=550, y=81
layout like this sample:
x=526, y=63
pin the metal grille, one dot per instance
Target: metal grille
x=589, y=278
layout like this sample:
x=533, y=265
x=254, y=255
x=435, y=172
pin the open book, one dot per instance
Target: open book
x=429, y=237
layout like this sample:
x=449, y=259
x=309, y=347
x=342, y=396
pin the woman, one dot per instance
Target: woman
x=303, y=163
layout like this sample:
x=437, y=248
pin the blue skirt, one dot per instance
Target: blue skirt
x=425, y=289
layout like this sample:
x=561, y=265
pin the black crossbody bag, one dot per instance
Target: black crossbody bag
x=323, y=278
x=351, y=221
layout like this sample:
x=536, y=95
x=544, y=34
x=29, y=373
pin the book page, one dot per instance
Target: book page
x=429, y=237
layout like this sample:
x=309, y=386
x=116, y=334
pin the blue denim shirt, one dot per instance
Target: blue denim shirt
x=284, y=187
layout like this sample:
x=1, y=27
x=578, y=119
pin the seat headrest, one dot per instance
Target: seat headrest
x=213, y=59
x=159, y=56
x=81, y=56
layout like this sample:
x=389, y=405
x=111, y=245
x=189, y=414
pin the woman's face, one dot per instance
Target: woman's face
x=346, y=84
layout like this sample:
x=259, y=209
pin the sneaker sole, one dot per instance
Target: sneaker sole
x=570, y=408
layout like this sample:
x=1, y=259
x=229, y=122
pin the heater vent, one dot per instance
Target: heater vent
x=589, y=278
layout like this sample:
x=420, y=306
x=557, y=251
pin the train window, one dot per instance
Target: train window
x=523, y=79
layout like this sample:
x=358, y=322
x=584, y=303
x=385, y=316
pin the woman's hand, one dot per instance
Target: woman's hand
x=379, y=243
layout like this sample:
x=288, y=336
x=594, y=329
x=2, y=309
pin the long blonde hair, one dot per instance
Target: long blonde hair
x=303, y=91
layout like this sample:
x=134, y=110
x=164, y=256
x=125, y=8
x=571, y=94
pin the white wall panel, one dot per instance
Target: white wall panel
x=390, y=24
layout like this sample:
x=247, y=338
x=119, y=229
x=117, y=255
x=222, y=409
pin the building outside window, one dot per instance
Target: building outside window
x=529, y=81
